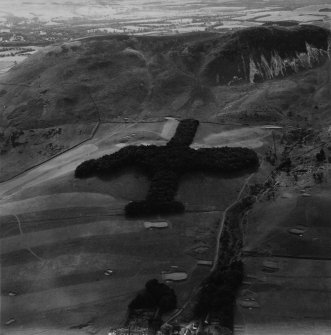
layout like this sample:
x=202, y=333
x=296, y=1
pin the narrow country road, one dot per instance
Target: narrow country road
x=221, y=226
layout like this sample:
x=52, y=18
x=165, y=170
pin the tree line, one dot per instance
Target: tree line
x=155, y=296
x=218, y=293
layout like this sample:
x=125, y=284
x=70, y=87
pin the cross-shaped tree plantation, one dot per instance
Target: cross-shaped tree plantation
x=165, y=165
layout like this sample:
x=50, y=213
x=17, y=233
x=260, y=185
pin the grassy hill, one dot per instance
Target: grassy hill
x=135, y=76
x=260, y=53
x=72, y=86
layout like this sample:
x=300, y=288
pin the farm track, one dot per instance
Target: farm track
x=22, y=235
x=224, y=216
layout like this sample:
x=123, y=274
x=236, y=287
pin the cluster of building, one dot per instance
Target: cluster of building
x=130, y=331
x=191, y=329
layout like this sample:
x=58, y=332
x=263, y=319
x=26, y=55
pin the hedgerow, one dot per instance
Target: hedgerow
x=218, y=293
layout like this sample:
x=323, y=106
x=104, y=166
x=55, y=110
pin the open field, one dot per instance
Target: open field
x=270, y=232
x=60, y=234
x=294, y=299
x=287, y=259
x=55, y=268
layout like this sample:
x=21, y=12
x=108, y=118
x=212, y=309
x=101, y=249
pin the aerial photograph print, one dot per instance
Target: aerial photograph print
x=165, y=167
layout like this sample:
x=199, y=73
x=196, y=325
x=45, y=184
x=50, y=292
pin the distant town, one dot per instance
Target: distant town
x=38, y=28
x=35, y=32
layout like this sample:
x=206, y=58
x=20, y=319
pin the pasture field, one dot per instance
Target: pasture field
x=60, y=234
x=59, y=263
x=287, y=275
x=270, y=223
x=294, y=299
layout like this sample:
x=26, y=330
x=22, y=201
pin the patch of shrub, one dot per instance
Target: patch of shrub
x=101, y=65
x=285, y=165
x=320, y=157
x=155, y=295
x=86, y=169
x=164, y=165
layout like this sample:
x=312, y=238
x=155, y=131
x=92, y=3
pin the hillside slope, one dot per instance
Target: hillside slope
x=129, y=75
x=66, y=89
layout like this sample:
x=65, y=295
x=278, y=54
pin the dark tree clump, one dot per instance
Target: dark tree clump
x=164, y=165
x=218, y=293
x=320, y=157
x=155, y=295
